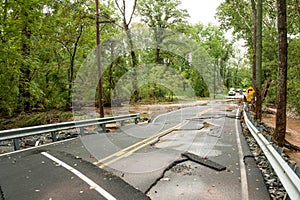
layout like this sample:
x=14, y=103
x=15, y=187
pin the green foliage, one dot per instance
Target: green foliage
x=41, y=48
x=161, y=14
x=237, y=16
x=213, y=40
x=155, y=93
x=43, y=44
x=294, y=74
x=35, y=118
x=198, y=84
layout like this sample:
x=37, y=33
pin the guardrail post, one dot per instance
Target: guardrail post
x=81, y=130
x=246, y=107
x=297, y=171
x=16, y=144
x=103, y=126
x=54, y=136
x=136, y=120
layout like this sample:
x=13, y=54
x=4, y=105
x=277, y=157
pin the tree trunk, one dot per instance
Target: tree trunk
x=24, y=80
x=72, y=53
x=122, y=8
x=254, y=40
x=110, y=73
x=259, y=62
x=280, y=129
x=266, y=87
x=135, y=95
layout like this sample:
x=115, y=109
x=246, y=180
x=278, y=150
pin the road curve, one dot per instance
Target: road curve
x=142, y=161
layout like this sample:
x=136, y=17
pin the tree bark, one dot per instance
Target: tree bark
x=280, y=129
x=259, y=62
x=254, y=40
x=266, y=87
x=110, y=73
x=126, y=23
x=100, y=89
x=72, y=53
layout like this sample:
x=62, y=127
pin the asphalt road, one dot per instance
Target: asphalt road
x=142, y=161
x=157, y=167
x=37, y=174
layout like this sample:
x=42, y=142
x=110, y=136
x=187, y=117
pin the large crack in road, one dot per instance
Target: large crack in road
x=176, y=162
x=1, y=194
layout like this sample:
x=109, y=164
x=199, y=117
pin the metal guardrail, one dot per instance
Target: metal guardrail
x=287, y=176
x=18, y=133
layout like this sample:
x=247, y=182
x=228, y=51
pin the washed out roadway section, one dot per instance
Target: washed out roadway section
x=217, y=142
x=157, y=168
x=162, y=172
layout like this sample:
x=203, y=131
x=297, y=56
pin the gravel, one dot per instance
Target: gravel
x=274, y=186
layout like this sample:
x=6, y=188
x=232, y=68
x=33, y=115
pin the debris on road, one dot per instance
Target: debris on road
x=204, y=161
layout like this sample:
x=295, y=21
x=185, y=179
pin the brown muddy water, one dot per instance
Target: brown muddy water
x=292, y=135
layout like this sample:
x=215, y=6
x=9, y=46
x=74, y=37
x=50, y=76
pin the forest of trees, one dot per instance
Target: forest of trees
x=237, y=16
x=44, y=43
x=271, y=31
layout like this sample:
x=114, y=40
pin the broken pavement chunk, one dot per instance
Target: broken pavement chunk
x=204, y=161
x=206, y=125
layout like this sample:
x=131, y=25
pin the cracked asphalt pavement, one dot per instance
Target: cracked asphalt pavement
x=190, y=153
x=158, y=168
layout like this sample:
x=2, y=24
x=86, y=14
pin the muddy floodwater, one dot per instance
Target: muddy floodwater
x=293, y=134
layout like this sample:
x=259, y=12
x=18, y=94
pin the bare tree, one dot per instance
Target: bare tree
x=280, y=129
x=122, y=6
x=126, y=21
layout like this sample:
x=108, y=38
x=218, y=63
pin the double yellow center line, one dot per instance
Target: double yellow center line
x=141, y=144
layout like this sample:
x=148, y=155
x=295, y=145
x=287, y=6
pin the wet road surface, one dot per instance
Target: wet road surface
x=139, y=160
x=37, y=174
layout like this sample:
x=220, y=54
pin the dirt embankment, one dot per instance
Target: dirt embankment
x=292, y=135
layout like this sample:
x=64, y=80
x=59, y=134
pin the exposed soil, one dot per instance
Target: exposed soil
x=292, y=135
x=147, y=111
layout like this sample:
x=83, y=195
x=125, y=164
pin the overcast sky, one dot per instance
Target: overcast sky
x=204, y=11
x=201, y=10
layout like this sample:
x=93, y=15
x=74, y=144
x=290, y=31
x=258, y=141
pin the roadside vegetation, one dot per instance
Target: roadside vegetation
x=35, y=118
x=42, y=47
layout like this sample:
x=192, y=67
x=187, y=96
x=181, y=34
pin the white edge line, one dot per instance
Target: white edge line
x=244, y=182
x=167, y=113
x=91, y=183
